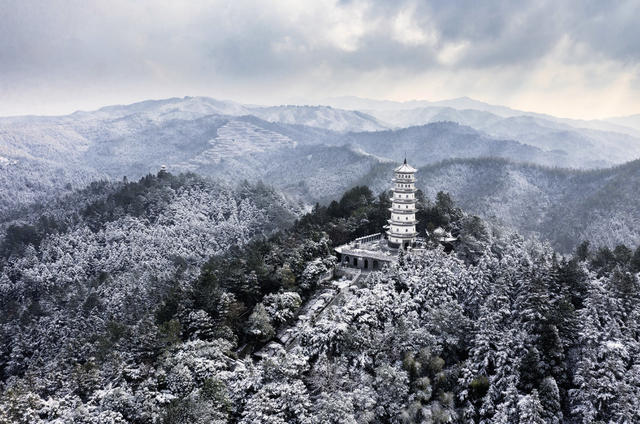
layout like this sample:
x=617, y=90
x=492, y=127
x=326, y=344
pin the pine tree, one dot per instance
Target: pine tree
x=259, y=324
x=507, y=410
x=602, y=365
x=530, y=410
x=550, y=401
x=582, y=251
x=635, y=260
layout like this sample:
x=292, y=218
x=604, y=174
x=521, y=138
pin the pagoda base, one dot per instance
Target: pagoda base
x=404, y=245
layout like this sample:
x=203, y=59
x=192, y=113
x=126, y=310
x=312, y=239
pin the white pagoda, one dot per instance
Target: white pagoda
x=402, y=225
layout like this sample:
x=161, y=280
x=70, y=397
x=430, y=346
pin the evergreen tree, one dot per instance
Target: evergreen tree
x=550, y=401
x=635, y=260
x=602, y=365
x=530, y=410
x=259, y=324
x=582, y=251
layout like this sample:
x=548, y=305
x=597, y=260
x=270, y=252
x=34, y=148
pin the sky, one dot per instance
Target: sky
x=578, y=59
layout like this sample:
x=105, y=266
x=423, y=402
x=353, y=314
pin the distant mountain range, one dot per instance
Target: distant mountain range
x=320, y=116
x=585, y=147
x=314, y=153
x=631, y=121
x=625, y=124
x=220, y=138
x=461, y=103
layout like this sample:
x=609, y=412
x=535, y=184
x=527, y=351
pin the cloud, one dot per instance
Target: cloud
x=407, y=31
x=60, y=55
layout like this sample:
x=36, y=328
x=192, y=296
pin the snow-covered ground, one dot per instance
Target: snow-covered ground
x=239, y=138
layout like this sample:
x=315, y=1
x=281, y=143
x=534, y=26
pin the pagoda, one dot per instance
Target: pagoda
x=402, y=225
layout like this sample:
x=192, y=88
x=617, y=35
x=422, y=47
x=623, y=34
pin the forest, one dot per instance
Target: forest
x=161, y=301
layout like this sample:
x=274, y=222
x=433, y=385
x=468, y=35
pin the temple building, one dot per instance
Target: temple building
x=401, y=230
x=373, y=251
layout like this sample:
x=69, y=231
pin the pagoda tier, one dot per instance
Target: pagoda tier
x=405, y=190
x=402, y=224
x=406, y=237
x=403, y=211
x=405, y=201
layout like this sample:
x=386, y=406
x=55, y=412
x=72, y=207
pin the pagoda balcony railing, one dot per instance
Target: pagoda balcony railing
x=369, y=238
x=402, y=235
x=404, y=201
x=403, y=180
x=403, y=211
x=398, y=222
x=405, y=190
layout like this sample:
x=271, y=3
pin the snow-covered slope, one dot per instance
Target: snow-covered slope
x=460, y=103
x=320, y=116
x=443, y=140
x=559, y=205
x=208, y=136
x=587, y=146
x=55, y=154
x=240, y=138
x=174, y=108
x=632, y=121
x=43, y=156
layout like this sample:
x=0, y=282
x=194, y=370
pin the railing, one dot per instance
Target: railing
x=403, y=211
x=404, y=201
x=404, y=190
x=371, y=237
x=399, y=222
x=403, y=235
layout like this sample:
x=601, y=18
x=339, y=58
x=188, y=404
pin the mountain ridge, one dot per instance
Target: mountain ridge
x=561, y=205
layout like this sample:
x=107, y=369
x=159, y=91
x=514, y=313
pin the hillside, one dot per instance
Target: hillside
x=308, y=173
x=559, y=205
x=98, y=261
x=586, y=146
x=176, y=299
x=42, y=155
x=632, y=121
x=416, y=109
x=319, y=116
x=434, y=142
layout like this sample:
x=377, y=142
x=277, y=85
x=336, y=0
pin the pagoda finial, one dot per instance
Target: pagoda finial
x=405, y=158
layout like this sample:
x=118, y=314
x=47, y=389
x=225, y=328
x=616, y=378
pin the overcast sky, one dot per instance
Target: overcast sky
x=568, y=58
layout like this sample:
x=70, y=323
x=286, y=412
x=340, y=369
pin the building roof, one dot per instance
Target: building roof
x=405, y=167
